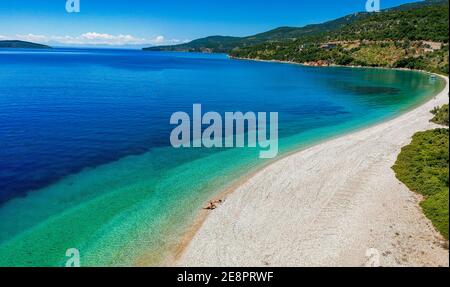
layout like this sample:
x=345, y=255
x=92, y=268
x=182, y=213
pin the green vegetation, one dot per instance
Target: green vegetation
x=370, y=54
x=423, y=166
x=415, y=24
x=412, y=36
x=22, y=44
x=435, y=62
x=415, y=21
x=440, y=115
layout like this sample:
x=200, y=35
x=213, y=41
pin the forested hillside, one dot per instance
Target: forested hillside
x=424, y=23
x=415, y=38
x=367, y=23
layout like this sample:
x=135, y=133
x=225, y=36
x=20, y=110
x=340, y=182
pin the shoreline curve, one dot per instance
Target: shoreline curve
x=244, y=231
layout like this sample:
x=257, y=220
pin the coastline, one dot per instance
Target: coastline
x=215, y=232
x=335, y=66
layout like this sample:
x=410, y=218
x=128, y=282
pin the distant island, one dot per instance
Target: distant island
x=412, y=36
x=22, y=45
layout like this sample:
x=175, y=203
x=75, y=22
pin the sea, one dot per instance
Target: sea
x=86, y=161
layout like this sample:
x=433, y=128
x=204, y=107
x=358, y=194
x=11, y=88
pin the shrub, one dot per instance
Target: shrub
x=423, y=166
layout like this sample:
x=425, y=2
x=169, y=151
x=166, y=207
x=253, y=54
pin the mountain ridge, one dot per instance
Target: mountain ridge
x=225, y=44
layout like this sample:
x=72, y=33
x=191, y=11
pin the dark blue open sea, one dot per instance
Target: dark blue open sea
x=85, y=158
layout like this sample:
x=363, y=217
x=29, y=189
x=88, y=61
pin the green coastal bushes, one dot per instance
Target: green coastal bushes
x=423, y=166
x=370, y=54
x=440, y=115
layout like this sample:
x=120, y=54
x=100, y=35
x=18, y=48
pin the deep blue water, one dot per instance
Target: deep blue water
x=67, y=109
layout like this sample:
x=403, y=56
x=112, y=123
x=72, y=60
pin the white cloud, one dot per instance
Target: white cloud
x=159, y=40
x=94, y=38
x=32, y=38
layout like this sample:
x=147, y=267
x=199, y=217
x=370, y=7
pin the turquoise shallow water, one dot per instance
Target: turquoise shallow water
x=85, y=161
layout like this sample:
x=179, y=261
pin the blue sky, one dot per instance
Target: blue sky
x=140, y=22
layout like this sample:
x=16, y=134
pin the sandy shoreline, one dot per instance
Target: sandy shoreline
x=327, y=205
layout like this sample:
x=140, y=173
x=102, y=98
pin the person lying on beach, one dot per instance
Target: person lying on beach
x=213, y=204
